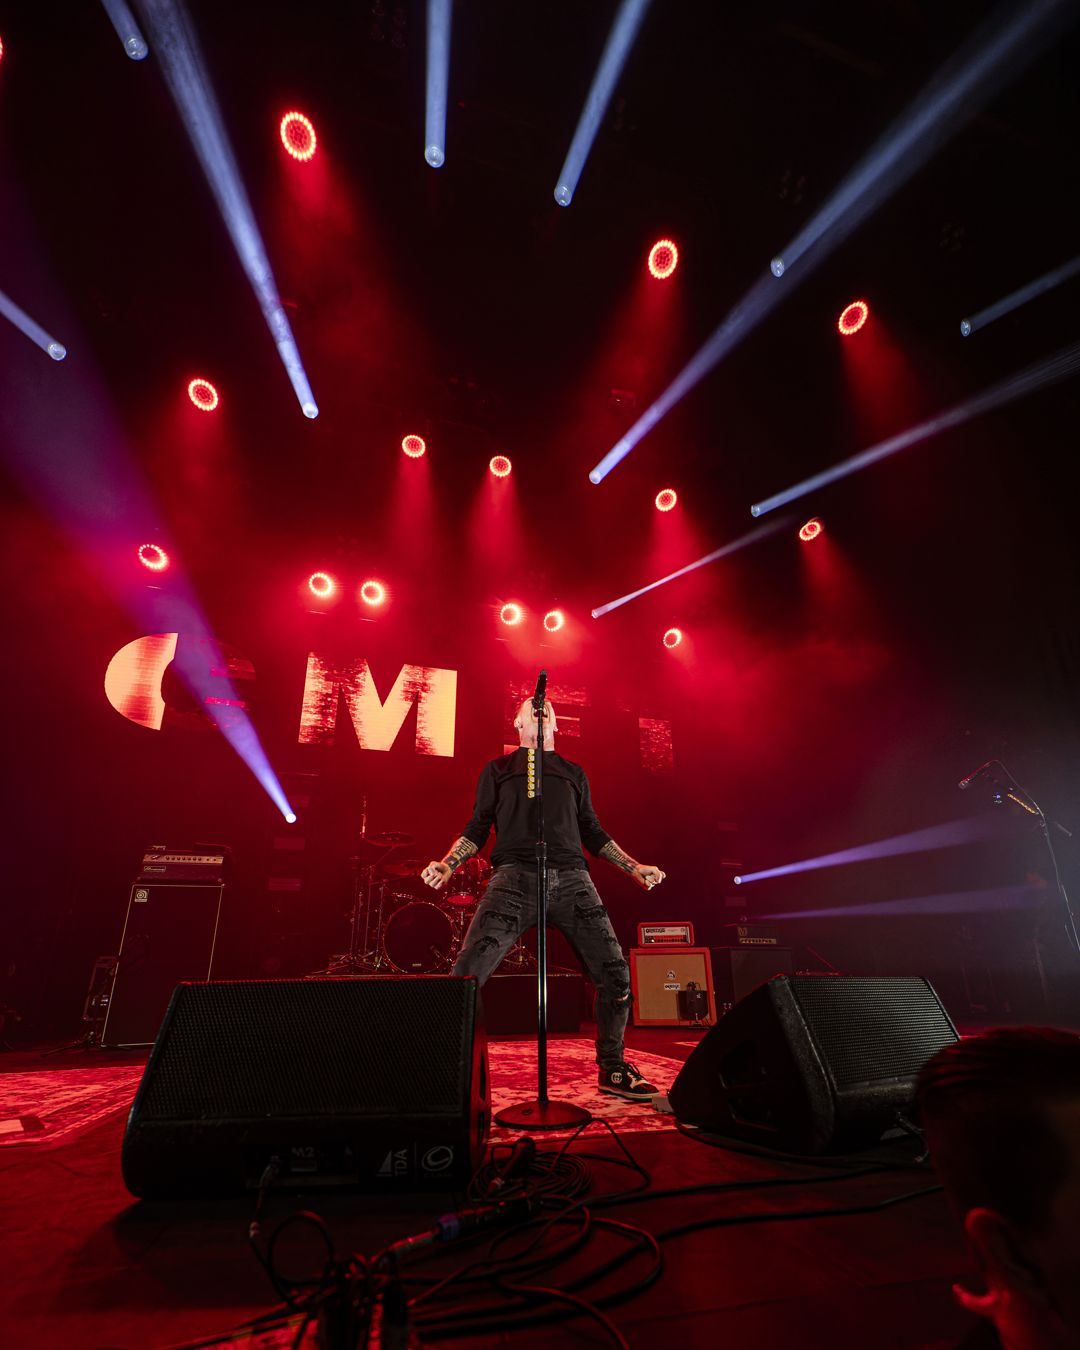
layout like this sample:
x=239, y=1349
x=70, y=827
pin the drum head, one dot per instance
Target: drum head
x=468, y=883
x=418, y=939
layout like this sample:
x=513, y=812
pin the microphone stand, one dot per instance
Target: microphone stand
x=541, y=1113
x=1033, y=808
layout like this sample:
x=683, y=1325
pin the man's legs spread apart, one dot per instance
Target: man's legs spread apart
x=501, y=917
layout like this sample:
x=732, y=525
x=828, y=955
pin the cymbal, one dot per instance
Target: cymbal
x=403, y=867
x=390, y=838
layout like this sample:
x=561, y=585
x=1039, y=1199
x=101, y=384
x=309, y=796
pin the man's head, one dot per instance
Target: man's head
x=1002, y=1117
x=525, y=724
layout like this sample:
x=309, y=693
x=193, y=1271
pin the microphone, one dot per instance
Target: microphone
x=540, y=695
x=965, y=783
x=520, y=1159
x=449, y=1227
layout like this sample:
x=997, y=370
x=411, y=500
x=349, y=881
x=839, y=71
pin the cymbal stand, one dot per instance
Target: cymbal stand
x=362, y=954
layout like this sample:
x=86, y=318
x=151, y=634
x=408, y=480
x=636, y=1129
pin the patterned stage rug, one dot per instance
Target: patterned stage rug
x=572, y=1075
x=52, y=1106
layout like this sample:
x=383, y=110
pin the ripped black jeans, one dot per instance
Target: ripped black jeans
x=574, y=908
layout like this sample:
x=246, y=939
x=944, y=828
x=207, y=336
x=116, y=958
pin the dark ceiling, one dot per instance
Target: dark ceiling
x=466, y=304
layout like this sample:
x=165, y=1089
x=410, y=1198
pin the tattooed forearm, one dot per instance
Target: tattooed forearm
x=463, y=848
x=614, y=854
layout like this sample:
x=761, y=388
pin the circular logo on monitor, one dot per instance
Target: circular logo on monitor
x=437, y=1159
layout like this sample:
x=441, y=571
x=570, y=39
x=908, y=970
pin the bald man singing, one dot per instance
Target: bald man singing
x=508, y=907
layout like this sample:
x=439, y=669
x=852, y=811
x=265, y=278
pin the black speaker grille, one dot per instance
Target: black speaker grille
x=869, y=1029
x=260, y=1049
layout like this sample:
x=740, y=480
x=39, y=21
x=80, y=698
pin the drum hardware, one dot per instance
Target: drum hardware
x=468, y=884
x=391, y=839
x=366, y=955
x=406, y=867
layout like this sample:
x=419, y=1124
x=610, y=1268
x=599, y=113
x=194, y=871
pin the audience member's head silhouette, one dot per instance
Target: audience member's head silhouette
x=1002, y=1117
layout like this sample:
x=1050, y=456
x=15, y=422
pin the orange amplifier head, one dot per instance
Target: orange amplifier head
x=681, y=934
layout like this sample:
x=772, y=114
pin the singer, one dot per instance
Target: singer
x=573, y=905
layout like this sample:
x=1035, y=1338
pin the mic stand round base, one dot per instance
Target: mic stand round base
x=542, y=1115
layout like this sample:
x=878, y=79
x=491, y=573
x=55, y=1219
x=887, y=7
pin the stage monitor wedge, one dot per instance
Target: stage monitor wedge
x=378, y=1084
x=811, y=1064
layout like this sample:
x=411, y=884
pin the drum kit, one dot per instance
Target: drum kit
x=398, y=926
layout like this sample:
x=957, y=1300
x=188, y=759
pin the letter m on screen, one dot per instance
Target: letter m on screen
x=376, y=721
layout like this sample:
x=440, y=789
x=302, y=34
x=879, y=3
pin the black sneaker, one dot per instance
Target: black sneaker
x=623, y=1080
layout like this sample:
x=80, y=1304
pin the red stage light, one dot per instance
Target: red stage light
x=666, y=499
x=322, y=584
x=203, y=394
x=154, y=557
x=663, y=259
x=414, y=446
x=554, y=619
x=298, y=136
x=811, y=530
x=500, y=466
x=853, y=317
x=672, y=637
x=373, y=593
x=511, y=614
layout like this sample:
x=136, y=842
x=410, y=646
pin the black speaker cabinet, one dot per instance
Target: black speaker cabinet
x=169, y=935
x=378, y=1083
x=814, y=1063
x=737, y=971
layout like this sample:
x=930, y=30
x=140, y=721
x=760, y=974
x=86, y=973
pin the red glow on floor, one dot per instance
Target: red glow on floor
x=511, y=614
x=322, y=585
x=203, y=394
x=298, y=136
x=154, y=557
x=554, y=619
x=673, y=637
x=373, y=593
x=666, y=499
x=853, y=317
x=500, y=466
x=663, y=259
x=811, y=530
x=414, y=446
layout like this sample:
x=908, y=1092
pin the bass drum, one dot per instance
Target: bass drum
x=418, y=939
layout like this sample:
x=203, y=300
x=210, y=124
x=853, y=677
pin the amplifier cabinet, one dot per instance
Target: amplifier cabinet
x=169, y=936
x=739, y=970
x=658, y=974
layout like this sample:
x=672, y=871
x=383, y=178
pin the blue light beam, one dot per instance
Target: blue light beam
x=189, y=84
x=1020, y=297
x=747, y=539
x=1000, y=50
x=969, y=830
x=71, y=457
x=763, y=296
x=1048, y=371
x=438, y=80
x=952, y=902
x=127, y=30
x=34, y=331
x=617, y=48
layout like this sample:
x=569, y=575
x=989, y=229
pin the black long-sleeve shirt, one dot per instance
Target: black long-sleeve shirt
x=569, y=818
